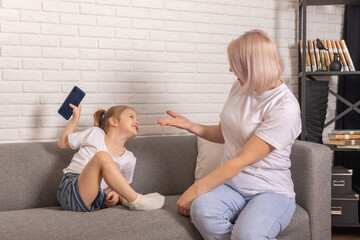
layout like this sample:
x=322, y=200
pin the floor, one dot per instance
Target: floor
x=345, y=234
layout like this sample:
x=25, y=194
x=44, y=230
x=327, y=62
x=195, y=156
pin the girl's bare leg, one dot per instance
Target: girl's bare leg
x=103, y=166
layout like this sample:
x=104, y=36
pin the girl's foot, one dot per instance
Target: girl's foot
x=149, y=201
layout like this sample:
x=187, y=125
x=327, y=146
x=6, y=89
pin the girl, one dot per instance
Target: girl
x=251, y=195
x=100, y=172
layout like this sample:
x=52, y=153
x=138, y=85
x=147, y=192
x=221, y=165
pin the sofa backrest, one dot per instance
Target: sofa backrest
x=30, y=172
x=164, y=164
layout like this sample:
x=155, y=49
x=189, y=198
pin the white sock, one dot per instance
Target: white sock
x=149, y=201
x=126, y=203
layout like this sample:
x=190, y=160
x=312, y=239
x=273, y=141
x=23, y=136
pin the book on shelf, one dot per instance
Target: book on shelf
x=347, y=55
x=320, y=59
x=317, y=57
x=331, y=51
x=327, y=55
x=349, y=146
x=342, y=142
x=323, y=60
x=346, y=131
x=342, y=57
x=335, y=50
x=307, y=57
x=312, y=55
x=333, y=46
x=343, y=136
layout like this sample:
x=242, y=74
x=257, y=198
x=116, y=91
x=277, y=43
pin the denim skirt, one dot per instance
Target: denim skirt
x=70, y=199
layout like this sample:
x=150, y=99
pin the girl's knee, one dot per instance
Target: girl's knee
x=102, y=157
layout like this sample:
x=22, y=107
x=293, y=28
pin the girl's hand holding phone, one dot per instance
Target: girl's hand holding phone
x=74, y=98
x=76, y=111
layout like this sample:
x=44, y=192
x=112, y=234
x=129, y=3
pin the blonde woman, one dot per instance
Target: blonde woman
x=100, y=172
x=249, y=196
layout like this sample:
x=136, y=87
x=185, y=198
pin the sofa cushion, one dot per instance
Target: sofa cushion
x=118, y=223
x=208, y=158
x=111, y=223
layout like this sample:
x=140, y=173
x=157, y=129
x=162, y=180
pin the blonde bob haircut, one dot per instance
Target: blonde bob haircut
x=256, y=61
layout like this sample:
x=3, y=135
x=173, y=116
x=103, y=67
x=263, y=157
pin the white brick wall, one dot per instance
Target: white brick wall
x=153, y=55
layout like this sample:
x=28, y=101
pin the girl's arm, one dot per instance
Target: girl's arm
x=63, y=142
x=254, y=150
x=211, y=133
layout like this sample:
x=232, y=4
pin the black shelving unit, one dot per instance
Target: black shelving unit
x=356, y=106
x=312, y=76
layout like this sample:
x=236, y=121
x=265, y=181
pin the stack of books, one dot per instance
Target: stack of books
x=319, y=60
x=345, y=138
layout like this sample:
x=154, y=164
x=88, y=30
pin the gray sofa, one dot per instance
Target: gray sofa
x=30, y=174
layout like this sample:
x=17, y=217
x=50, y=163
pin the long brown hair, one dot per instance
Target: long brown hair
x=101, y=116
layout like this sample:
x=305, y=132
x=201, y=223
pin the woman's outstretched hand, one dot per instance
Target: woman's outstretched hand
x=177, y=121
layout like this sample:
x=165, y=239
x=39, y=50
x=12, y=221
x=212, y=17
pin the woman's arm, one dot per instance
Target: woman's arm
x=211, y=133
x=254, y=150
x=63, y=142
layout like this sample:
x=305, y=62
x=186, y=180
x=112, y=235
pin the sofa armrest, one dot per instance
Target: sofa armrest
x=311, y=173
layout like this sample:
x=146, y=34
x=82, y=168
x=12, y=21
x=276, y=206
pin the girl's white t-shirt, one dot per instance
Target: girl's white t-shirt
x=91, y=141
x=275, y=118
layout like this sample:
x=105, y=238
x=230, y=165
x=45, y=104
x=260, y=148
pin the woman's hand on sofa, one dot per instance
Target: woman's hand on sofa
x=184, y=202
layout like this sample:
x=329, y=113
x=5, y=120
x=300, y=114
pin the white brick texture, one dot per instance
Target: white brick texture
x=152, y=55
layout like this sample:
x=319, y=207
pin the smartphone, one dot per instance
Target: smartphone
x=74, y=97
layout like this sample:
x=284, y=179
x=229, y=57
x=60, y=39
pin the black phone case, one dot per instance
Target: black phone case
x=74, y=97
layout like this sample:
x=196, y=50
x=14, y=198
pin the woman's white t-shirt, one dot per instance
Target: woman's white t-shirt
x=91, y=141
x=275, y=118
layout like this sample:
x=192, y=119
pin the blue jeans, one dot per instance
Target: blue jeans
x=224, y=213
